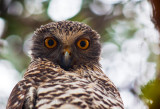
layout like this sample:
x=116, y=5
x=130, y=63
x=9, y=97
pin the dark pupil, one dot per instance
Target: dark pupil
x=83, y=43
x=50, y=42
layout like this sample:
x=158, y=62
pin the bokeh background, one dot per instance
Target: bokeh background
x=130, y=43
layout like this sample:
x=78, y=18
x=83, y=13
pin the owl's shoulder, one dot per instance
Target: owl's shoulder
x=19, y=93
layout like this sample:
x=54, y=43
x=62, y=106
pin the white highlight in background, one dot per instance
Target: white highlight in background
x=63, y=9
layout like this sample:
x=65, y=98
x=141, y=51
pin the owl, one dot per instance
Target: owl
x=65, y=72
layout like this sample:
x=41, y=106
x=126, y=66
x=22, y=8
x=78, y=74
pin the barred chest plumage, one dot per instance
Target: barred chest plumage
x=47, y=86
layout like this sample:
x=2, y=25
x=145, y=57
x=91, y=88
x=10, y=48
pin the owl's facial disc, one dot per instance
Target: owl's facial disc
x=67, y=44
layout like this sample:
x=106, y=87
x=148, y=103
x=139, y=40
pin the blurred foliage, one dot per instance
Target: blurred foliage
x=151, y=94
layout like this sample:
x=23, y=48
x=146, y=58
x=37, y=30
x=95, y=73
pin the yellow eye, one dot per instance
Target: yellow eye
x=50, y=42
x=83, y=43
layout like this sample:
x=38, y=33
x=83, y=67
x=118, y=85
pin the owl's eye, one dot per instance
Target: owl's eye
x=83, y=43
x=50, y=42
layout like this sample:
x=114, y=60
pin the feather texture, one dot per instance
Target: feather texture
x=47, y=86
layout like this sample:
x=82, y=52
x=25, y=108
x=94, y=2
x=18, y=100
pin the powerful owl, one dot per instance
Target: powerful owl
x=65, y=72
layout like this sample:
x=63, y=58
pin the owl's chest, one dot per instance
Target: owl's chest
x=71, y=91
x=63, y=90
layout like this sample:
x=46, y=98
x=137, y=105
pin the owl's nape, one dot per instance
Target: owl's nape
x=67, y=44
x=64, y=72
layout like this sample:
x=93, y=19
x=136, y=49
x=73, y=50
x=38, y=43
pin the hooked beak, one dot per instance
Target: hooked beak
x=66, y=59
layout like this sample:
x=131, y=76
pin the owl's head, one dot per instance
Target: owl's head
x=67, y=44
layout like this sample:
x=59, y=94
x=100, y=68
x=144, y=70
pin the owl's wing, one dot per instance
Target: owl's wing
x=113, y=98
x=18, y=97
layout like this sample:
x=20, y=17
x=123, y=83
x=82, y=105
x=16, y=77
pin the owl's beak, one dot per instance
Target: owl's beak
x=66, y=58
